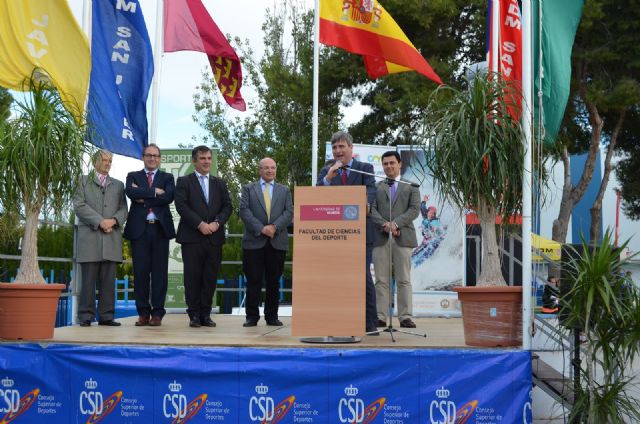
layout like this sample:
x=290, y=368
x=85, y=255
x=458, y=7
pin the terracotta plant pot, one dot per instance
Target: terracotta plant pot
x=28, y=311
x=492, y=316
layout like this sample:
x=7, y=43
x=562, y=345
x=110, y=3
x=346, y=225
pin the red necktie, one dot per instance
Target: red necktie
x=150, y=182
x=343, y=176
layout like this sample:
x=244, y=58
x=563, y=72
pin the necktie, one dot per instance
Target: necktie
x=393, y=192
x=102, y=179
x=150, y=182
x=343, y=176
x=203, y=184
x=267, y=200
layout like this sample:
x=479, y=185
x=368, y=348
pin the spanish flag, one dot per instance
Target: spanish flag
x=363, y=27
x=43, y=35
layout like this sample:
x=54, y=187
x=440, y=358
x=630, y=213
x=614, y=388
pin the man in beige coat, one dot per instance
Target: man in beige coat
x=405, y=201
x=101, y=210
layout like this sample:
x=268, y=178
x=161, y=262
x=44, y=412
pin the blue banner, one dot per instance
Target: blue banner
x=121, y=73
x=152, y=384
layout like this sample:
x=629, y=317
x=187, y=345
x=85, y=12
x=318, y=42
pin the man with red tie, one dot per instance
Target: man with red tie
x=149, y=228
x=338, y=173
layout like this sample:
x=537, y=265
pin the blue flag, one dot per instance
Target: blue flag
x=121, y=73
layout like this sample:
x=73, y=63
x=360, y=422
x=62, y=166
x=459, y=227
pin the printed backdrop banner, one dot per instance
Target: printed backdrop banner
x=121, y=73
x=145, y=384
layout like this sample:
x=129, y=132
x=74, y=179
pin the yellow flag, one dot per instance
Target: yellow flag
x=44, y=35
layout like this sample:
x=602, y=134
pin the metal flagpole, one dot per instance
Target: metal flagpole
x=527, y=117
x=316, y=66
x=495, y=35
x=157, y=65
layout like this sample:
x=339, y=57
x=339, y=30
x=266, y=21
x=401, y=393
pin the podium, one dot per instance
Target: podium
x=329, y=257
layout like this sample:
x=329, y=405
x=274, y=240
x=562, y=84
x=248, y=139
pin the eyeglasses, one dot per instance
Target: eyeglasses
x=149, y=155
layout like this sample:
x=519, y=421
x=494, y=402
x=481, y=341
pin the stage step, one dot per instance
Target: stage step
x=551, y=381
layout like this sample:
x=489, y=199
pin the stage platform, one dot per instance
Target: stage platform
x=232, y=374
x=175, y=331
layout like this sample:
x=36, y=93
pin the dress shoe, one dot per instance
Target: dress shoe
x=275, y=323
x=155, y=322
x=194, y=322
x=207, y=322
x=381, y=323
x=110, y=323
x=372, y=331
x=407, y=323
x=250, y=323
x=85, y=323
x=142, y=321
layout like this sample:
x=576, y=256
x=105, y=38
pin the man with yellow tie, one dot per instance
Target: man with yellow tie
x=266, y=209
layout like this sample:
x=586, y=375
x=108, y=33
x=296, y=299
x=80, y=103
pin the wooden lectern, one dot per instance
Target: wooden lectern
x=329, y=260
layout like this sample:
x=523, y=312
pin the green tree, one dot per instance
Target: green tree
x=5, y=103
x=627, y=168
x=605, y=89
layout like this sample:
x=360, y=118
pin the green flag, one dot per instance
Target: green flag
x=559, y=21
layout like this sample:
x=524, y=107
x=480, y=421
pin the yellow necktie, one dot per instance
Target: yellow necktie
x=267, y=200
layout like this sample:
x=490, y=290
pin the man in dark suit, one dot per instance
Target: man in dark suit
x=149, y=228
x=334, y=174
x=204, y=206
x=405, y=208
x=266, y=210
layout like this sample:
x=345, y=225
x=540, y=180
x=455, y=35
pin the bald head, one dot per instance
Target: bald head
x=268, y=169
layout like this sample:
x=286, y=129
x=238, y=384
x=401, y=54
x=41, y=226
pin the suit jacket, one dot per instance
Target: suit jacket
x=405, y=209
x=92, y=203
x=193, y=208
x=158, y=204
x=253, y=213
x=355, y=178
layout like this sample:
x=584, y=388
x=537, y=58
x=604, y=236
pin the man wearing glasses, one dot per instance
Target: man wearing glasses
x=149, y=228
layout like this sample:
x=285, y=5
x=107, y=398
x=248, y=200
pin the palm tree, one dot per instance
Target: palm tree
x=476, y=155
x=41, y=150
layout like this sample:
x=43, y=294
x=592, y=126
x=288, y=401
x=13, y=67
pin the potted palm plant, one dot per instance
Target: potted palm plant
x=476, y=156
x=41, y=154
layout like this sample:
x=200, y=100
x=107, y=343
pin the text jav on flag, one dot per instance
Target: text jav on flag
x=43, y=35
x=365, y=28
x=188, y=26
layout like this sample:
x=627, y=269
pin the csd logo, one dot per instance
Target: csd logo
x=351, y=408
x=174, y=404
x=90, y=403
x=9, y=400
x=261, y=407
x=442, y=411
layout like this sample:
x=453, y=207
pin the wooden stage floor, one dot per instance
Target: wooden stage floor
x=441, y=333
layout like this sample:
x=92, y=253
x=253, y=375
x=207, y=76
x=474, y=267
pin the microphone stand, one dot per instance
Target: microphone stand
x=389, y=329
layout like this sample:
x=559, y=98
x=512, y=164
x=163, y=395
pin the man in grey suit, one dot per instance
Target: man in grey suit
x=405, y=201
x=266, y=210
x=101, y=210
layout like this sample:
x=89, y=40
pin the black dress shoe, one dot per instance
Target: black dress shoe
x=275, y=323
x=207, y=322
x=407, y=323
x=85, y=323
x=194, y=322
x=380, y=323
x=372, y=331
x=110, y=323
x=250, y=323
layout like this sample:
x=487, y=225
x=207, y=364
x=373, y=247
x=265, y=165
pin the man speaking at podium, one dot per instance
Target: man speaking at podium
x=336, y=173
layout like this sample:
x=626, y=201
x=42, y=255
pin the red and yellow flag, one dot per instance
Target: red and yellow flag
x=188, y=26
x=363, y=27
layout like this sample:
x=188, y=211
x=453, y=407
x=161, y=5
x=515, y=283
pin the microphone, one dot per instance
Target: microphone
x=329, y=163
x=391, y=181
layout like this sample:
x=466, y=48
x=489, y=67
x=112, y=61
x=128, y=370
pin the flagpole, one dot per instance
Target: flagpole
x=527, y=112
x=316, y=78
x=495, y=35
x=157, y=65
